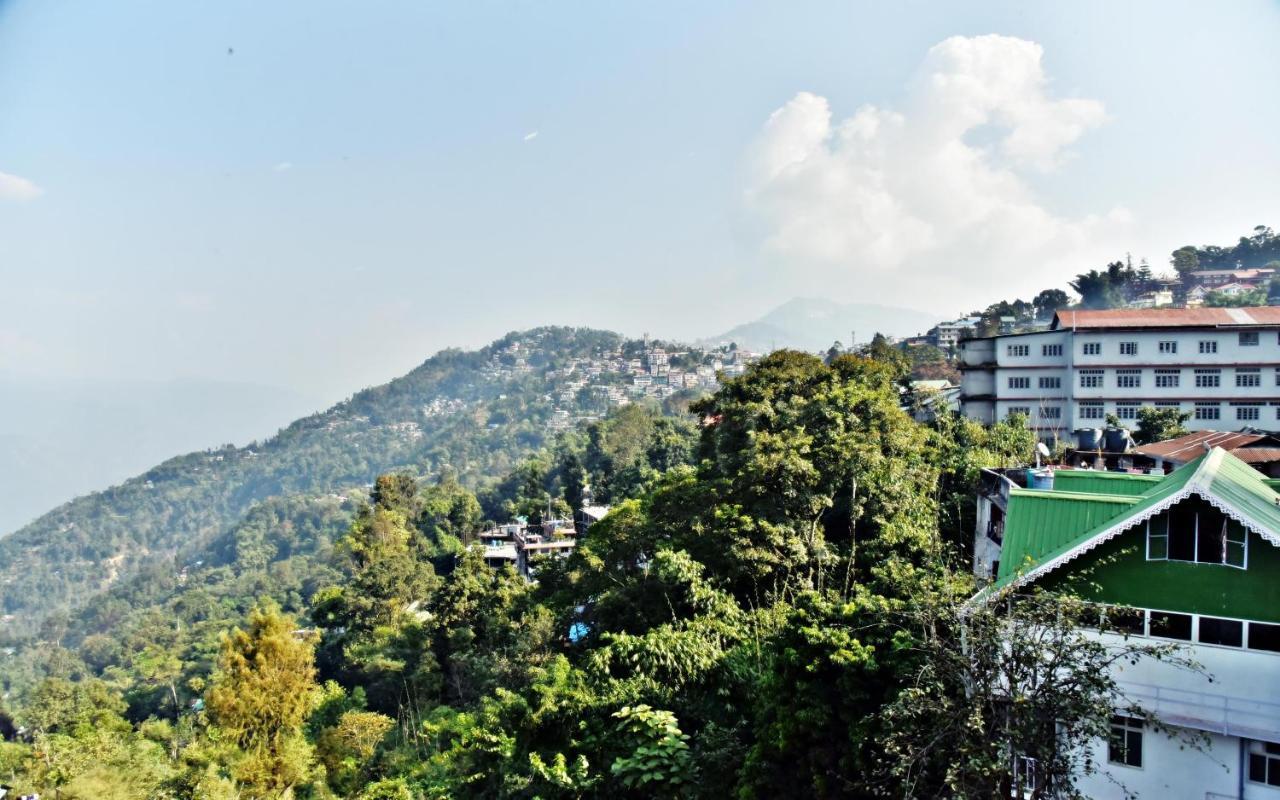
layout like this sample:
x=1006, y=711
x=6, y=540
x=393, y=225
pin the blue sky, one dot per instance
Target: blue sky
x=318, y=195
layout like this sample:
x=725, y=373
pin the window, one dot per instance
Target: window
x=1246, y=377
x=1090, y=379
x=1196, y=531
x=1091, y=411
x=1128, y=410
x=1264, y=636
x=1023, y=410
x=1207, y=346
x=1020, y=383
x=1264, y=763
x=1248, y=338
x=1248, y=413
x=1092, y=348
x=1128, y=348
x=1208, y=379
x=1227, y=632
x=1051, y=412
x=1019, y=350
x=1168, y=404
x=1168, y=347
x=1132, y=621
x=1051, y=350
x=1168, y=625
x=1125, y=745
x=1208, y=411
x=1025, y=771
x=1050, y=383
x=1128, y=378
x=1167, y=378
x=1277, y=376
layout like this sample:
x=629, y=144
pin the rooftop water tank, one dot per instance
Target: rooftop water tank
x=1039, y=479
x=1117, y=440
x=1088, y=438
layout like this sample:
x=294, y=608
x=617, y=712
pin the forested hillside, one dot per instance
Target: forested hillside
x=475, y=415
x=769, y=610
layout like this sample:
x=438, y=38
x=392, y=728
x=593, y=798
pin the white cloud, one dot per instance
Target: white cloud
x=929, y=203
x=283, y=166
x=530, y=136
x=14, y=188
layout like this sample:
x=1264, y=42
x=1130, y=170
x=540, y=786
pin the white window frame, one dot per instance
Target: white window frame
x=1023, y=382
x=1249, y=338
x=1159, y=537
x=1169, y=346
x=1128, y=348
x=1128, y=379
x=1051, y=350
x=1127, y=725
x=1251, y=375
x=1050, y=382
x=1092, y=349
x=1208, y=347
x=1168, y=378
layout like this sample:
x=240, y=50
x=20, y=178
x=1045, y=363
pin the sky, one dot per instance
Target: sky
x=316, y=195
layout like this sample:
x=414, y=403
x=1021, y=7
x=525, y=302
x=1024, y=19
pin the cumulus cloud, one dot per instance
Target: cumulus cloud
x=283, y=166
x=13, y=187
x=926, y=196
x=530, y=136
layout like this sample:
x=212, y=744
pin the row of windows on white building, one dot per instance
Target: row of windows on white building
x=1165, y=378
x=1241, y=411
x=1131, y=348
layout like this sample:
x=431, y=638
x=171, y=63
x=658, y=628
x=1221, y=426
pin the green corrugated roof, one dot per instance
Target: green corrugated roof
x=1097, y=481
x=1039, y=522
x=1045, y=528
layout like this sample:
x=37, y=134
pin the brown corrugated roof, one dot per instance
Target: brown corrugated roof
x=1257, y=455
x=1185, y=448
x=1167, y=317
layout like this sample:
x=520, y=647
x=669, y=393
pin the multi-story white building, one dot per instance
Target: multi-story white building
x=1221, y=365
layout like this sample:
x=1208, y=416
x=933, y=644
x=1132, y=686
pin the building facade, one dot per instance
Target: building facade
x=1191, y=558
x=1221, y=365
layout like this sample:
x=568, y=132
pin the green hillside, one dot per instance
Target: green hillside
x=476, y=414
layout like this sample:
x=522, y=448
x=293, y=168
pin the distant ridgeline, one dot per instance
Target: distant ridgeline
x=475, y=415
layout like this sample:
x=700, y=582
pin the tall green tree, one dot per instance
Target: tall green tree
x=261, y=693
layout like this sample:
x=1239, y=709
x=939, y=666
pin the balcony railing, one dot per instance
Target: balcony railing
x=1208, y=711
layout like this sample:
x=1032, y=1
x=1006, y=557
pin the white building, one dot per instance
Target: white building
x=947, y=335
x=1221, y=365
x=1189, y=559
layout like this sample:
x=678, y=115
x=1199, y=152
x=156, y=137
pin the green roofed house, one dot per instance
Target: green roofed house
x=1197, y=554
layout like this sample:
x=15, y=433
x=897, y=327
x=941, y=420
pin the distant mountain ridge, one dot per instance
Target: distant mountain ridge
x=812, y=324
x=465, y=411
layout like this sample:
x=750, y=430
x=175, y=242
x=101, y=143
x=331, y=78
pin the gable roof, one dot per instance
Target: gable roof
x=1042, y=538
x=1166, y=318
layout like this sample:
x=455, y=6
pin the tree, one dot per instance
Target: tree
x=262, y=691
x=1009, y=691
x=1185, y=260
x=1049, y=301
x=1096, y=290
x=1158, y=424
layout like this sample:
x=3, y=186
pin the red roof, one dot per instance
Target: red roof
x=1167, y=318
x=1258, y=455
x=1185, y=448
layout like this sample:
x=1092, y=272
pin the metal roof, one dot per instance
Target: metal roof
x=1185, y=448
x=1100, y=482
x=1056, y=527
x=1166, y=318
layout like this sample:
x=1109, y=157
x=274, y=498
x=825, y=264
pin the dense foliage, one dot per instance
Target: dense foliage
x=771, y=609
